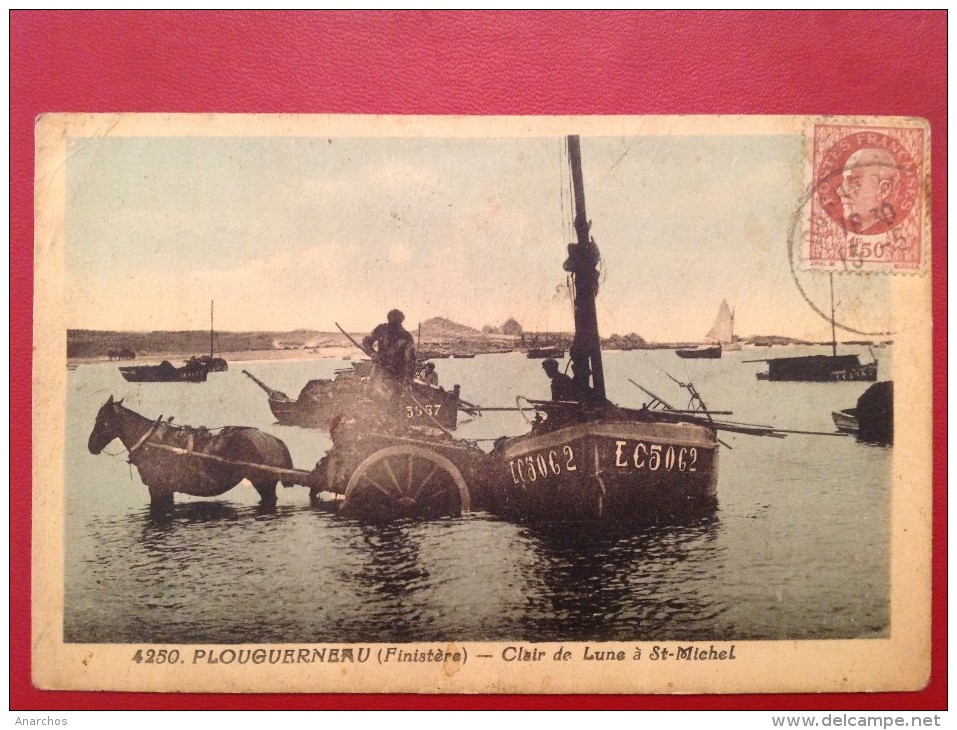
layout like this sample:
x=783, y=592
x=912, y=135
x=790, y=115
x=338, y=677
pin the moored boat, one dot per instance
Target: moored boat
x=820, y=368
x=711, y=352
x=165, y=372
x=721, y=335
x=872, y=420
x=846, y=420
x=539, y=353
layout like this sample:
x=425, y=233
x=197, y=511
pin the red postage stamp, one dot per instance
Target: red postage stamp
x=868, y=209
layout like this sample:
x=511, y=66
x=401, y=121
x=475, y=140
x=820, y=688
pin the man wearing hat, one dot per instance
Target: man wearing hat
x=563, y=387
x=392, y=350
x=428, y=374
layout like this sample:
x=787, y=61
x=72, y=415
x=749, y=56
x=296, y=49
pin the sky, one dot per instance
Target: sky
x=301, y=232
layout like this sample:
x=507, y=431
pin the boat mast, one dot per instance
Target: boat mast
x=833, y=335
x=210, y=329
x=582, y=263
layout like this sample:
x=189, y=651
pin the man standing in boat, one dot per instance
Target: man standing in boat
x=393, y=352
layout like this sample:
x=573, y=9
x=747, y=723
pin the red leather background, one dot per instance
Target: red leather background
x=416, y=62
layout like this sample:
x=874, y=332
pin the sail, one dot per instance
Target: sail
x=723, y=329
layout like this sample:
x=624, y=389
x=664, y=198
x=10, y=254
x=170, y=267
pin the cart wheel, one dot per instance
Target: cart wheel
x=405, y=481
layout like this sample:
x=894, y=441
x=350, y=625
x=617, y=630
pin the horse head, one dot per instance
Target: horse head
x=106, y=427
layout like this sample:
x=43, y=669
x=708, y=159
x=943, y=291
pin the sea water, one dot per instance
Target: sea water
x=798, y=547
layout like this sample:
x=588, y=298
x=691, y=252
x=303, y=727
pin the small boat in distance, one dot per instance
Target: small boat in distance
x=538, y=353
x=721, y=335
x=708, y=352
x=165, y=372
x=194, y=370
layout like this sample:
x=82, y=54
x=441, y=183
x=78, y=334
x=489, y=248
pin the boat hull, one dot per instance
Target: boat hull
x=613, y=472
x=158, y=374
x=541, y=353
x=846, y=420
x=820, y=369
x=707, y=353
x=328, y=401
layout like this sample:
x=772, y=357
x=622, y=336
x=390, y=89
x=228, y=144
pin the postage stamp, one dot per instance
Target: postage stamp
x=473, y=405
x=869, y=207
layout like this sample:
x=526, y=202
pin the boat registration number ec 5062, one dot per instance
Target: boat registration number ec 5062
x=653, y=457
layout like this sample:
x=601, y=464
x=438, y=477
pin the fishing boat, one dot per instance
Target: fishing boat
x=820, y=368
x=590, y=460
x=165, y=372
x=323, y=402
x=721, y=335
x=194, y=370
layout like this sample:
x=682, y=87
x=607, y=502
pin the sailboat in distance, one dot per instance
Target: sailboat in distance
x=721, y=335
x=722, y=331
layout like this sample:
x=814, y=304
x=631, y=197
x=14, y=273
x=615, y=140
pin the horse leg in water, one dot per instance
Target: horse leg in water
x=161, y=501
x=257, y=447
x=266, y=486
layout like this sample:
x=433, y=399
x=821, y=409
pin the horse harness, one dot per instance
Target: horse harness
x=196, y=441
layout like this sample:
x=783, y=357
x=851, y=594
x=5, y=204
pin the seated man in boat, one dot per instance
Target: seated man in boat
x=428, y=374
x=392, y=350
x=563, y=387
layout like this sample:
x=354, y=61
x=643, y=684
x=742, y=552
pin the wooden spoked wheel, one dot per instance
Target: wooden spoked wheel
x=405, y=481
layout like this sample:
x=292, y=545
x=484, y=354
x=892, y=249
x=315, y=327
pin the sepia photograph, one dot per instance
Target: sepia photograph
x=471, y=405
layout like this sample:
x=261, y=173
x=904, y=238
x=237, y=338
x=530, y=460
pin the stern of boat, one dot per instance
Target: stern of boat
x=631, y=471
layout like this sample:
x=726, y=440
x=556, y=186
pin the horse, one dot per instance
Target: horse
x=189, y=460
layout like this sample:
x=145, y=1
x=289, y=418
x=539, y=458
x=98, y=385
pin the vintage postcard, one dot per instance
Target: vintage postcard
x=482, y=405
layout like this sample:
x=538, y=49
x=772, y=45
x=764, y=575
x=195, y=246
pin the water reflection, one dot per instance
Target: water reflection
x=393, y=567
x=614, y=582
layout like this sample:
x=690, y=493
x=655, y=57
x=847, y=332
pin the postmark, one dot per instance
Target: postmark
x=867, y=212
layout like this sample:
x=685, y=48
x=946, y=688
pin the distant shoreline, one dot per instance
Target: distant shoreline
x=352, y=353
x=319, y=353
